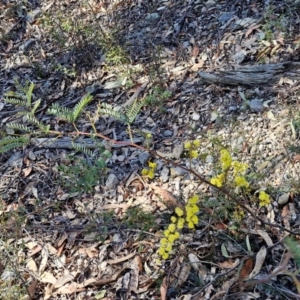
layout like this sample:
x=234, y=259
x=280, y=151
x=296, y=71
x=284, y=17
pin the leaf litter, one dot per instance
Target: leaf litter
x=72, y=251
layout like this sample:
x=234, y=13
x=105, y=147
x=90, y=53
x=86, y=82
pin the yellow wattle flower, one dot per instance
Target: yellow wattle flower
x=172, y=228
x=151, y=173
x=179, y=211
x=225, y=159
x=152, y=165
x=173, y=219
x=194, y=154
x=193, y=200
x=264, y=199
x=241, y=182
x=144, y=172
x=187, y=145
x=165, y=256
x=196, y=143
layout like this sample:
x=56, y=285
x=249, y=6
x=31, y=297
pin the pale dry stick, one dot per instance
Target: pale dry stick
x=168, y=161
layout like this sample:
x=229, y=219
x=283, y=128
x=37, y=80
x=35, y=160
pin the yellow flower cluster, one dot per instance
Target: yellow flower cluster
x=238, y=169
x=218, y=180
x=264, y=199
x=238, y=214
x=192, y=209
x=171, y=234
x=241, y=181
x=225, y=159
x=150, y=173
x=191, y=147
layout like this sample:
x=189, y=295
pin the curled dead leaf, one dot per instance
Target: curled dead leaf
x=166, y=197
x=246, y=269
x=260, y=258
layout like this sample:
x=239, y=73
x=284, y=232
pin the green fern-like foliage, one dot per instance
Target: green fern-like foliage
x=128, y=117
x=29, y=94
x=70, y=115
x=81, y=105
x=15, y=101
x=9, y=143
x=107, y=109
x=99, y=151
x=23, y=97
x=19, y=127
x=83, y=149
x=35, y=107
x=61, y=112
x=32, y=119
x=133, y=110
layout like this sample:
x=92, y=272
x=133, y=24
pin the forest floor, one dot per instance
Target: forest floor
x=111, y=127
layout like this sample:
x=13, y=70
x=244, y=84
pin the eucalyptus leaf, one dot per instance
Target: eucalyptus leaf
x=224, y=251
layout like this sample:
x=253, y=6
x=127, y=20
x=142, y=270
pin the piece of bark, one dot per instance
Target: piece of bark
x=67, y=143
x=254, y=75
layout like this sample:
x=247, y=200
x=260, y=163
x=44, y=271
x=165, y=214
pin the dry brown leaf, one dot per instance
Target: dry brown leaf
x=285, y=214
x=195, y=51
x=91, y=252
x=229, y=264
x=220, y=225
x=260, y=258
x=51, y=249
x=101, y=282
x=9, y=46
x=167, y=198
x=44, y=261
x=250, y=30
x=163, y=289
x=296, y=157
x=184, y=274
x=60, y=249
x=68, y=289
x=72, y=237
x=121, y=259
x=48, y=291
x=273, y=51
x=63, y=280
x=32, y=287
x=31, y=265
x=266, y=237
x=27, y=171
x=87, y=282
x=139, y=262
x=246, y=269
x=197, y=66
x=36, y=249
x=134, y=276
x=198, y=266
x=114, y=206
x=48, y=277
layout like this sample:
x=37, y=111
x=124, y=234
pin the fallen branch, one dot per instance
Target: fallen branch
x=254, y=75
